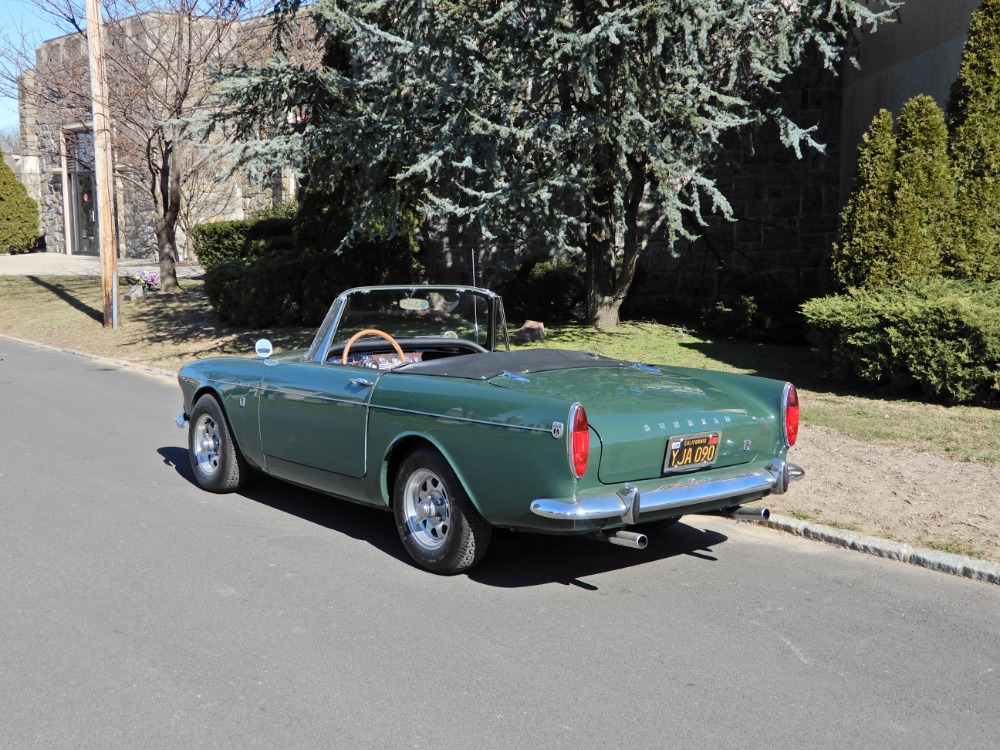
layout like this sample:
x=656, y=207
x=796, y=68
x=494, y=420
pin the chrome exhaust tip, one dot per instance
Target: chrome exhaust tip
x=631, y=539
x=749, y=514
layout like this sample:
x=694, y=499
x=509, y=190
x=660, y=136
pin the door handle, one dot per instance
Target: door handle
x=362, y=382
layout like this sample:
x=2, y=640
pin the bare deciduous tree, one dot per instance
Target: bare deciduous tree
x=9, y=140
x=161, y=58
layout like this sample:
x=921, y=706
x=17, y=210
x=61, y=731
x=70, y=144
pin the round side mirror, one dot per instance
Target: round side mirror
x=263, y=348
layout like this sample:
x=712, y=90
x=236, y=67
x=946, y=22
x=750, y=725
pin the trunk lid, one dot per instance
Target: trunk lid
x=638, y=412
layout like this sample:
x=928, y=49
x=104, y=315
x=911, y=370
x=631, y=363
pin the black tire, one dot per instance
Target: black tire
x=439, y=526
x=215, y=459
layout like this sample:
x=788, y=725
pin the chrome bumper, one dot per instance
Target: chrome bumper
x=627, y=504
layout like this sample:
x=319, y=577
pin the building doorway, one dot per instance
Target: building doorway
x=82, y=204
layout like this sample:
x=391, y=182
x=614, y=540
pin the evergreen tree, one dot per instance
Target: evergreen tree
x=858, y=258
x=974, y=120
x=923, y=194
x=546, y=123
x=897, y=223
x=18, y=214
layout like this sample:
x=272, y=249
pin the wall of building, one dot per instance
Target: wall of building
x=785, y=212
x=918, y=54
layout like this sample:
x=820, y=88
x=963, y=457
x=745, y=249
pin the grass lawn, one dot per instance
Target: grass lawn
x=165, y=331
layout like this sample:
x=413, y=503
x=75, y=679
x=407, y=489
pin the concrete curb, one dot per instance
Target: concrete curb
x=944, y=562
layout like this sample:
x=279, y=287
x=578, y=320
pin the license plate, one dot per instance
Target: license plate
x=692, y=451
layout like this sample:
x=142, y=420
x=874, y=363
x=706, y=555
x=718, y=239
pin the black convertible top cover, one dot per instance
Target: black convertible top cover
x=491, y=364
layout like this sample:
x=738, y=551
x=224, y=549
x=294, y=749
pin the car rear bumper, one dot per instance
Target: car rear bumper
x=695, y=493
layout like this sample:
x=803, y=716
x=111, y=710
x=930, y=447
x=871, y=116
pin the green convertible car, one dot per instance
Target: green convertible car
x=410, y=399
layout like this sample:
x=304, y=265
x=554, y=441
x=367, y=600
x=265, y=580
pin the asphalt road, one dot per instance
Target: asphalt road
x=137, y=611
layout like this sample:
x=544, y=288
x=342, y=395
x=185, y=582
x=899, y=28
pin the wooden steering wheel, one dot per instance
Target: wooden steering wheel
x=372, y=332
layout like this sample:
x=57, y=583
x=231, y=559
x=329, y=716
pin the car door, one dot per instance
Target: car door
x=315, y=416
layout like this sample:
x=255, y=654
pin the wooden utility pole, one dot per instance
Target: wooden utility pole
x=102, y=163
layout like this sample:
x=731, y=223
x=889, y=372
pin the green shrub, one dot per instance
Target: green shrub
x=265, y=291
x=293, y=287
x=545, y=290
x=285, y=266
x=284, y=210
x=267, y=230
x=734, y=316
x=220, y=241
x=762, y=307
x=19, y=229
x=923, y=193
x=940, y=336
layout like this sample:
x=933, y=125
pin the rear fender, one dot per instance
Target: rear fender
x=402, y=446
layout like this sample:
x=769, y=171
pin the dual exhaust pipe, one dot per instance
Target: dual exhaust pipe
x=635, y=540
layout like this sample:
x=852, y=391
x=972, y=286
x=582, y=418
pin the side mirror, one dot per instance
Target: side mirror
x=263, y=348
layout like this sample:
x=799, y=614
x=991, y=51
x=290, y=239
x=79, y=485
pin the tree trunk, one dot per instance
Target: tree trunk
x=613, y=250
x=169, y=202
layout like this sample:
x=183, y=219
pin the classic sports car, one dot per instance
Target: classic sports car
x=410, y=399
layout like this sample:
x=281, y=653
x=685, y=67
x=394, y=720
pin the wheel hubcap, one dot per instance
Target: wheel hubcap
x=207, y=445
x=427, y=508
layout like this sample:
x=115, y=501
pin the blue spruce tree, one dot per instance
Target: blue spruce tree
x=544, y=123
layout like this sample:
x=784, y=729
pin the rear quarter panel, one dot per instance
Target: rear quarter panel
x=499, y=443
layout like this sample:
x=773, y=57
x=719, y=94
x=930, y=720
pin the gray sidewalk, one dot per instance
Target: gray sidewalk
x=60, y=264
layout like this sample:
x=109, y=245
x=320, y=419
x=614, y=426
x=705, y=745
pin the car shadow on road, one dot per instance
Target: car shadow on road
x=514, y=560
x=371, y=525
x=518, y=560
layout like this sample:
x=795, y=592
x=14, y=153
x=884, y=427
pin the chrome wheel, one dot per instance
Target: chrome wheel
x=437, y=522
x=216, y=460
x=427, y=508
x=207, y=445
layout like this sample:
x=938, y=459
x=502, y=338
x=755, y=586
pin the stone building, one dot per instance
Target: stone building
x=56, y=162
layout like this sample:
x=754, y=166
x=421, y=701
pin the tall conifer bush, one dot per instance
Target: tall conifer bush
x=923, y=193
x=974, y=120
x=897, y=224
x=18, y=214
x=859, y=257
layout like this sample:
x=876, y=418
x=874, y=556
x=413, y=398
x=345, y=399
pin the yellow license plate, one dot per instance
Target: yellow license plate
x=692, y=451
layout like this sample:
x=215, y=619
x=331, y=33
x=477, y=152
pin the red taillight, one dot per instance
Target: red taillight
x=579, y=441
x=791, y=414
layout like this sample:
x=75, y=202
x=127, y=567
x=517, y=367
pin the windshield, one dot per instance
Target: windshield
x=413, y=313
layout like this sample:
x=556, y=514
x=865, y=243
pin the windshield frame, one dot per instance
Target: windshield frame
x=327, y=337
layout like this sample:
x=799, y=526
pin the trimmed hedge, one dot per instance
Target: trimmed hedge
x=939, y=336
x=224, y=241
x=295, y=287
